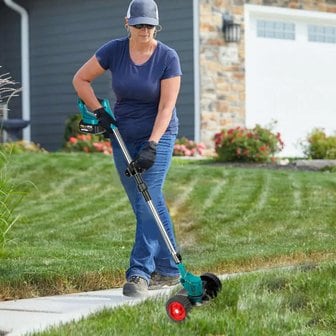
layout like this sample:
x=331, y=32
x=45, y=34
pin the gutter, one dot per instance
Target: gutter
x=25, y=76
x=197, y=101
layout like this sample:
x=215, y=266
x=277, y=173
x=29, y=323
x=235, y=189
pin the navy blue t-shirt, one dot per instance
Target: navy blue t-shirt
x=137, y=87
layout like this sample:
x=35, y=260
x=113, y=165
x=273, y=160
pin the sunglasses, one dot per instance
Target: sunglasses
x=140, y=26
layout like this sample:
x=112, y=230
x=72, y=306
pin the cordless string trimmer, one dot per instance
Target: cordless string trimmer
x=196, y=289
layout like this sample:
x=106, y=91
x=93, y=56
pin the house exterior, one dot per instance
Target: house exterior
x=63, y=35
x=282, y=68
x=268, y=75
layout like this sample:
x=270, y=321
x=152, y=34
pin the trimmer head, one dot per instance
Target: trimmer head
x=179, y=305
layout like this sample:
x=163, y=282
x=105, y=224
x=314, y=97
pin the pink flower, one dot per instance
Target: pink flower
x=73, y=140
x=187, y=152
x=185, y=147
x=84, y=137
x=200, y=151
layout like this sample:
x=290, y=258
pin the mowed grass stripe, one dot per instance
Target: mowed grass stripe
x=318, y=199
x=182, y=196
x=58, y=209
x=240, y=195
x=257, y=194
x=271, y=229
x=215, y=189
x=64, y=192
x=183, y=206
x=296, y=188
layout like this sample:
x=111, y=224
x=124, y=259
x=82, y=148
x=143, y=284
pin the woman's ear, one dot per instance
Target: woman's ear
x=127, y=27
x=126, y=24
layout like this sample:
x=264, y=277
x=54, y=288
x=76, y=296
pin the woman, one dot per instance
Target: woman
x=146, y=77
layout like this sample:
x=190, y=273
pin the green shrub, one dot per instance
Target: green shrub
x=71, y=126
x=75, y=141
x=320, y=146
x=247, y=145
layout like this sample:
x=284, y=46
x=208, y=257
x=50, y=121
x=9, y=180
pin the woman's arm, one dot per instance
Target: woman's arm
x=82, y=82
x=169, y=92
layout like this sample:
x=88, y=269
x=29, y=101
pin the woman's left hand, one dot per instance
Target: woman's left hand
x=146, y=156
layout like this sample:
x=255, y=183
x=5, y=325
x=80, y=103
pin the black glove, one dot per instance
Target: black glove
x=104, y=119
x=146, y=156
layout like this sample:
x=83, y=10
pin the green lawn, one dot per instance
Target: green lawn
x=75, y=233
x=76, y=227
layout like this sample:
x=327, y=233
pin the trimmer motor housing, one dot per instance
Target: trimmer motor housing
x=89, y=122
x=90, y=129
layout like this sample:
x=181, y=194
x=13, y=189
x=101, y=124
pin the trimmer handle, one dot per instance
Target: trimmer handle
x=88, y=118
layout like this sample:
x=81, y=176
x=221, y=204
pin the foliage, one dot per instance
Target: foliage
x=247, y=145
x=7, y=88
x=18, y=147
x=89, y=144
x=320, y=146
x=10, y=197
x=71, y=126
x=186, y=147
x=75, y=141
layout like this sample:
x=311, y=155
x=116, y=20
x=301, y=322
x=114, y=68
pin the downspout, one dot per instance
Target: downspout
x=25, y=77
x=197, y=102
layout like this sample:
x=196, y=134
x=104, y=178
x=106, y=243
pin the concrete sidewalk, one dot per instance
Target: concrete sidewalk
x=19, y=317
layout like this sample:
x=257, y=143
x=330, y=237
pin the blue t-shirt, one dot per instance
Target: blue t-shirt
x=137, y=87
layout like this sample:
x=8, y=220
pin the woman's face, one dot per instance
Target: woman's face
x=141, y=32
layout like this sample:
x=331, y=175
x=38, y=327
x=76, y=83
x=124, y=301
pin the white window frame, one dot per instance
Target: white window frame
x=278, y=13
x=276, y=29
x=321, y=33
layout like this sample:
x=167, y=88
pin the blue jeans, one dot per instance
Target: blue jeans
x=149, y=252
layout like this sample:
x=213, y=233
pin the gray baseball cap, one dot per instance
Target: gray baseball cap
x=143, y=12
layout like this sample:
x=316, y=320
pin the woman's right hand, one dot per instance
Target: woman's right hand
x=104, y=119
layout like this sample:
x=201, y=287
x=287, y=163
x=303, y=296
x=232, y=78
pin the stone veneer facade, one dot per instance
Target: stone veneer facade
x=222, y=65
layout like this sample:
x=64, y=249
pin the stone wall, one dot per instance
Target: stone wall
x=222, y=65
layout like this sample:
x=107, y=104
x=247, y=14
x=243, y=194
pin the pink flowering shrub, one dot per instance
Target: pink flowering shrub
x=247, y=145
x=185, y=147
x=88, y=144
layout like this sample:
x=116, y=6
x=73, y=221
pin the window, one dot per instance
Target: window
x=276, y=29
x=321, y=34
